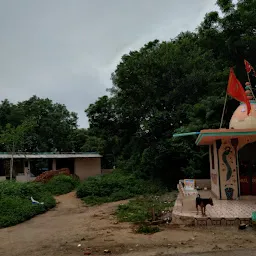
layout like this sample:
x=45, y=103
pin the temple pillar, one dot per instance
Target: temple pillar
x=214, y=169
x=228, y=171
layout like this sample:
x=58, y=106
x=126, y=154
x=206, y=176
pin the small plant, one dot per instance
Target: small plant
x=144, y=229
x=145, y=210
x=141, y=209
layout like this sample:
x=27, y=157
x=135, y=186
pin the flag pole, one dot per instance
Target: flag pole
x=223, y=111
x=249, y=68
x=249, y=80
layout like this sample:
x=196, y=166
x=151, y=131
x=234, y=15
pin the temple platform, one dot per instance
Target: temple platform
x=222, y=213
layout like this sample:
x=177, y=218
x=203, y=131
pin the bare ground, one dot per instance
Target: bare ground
x=61, y=230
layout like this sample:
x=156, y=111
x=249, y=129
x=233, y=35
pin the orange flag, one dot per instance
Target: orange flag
x=236, y=90
x=249, y=68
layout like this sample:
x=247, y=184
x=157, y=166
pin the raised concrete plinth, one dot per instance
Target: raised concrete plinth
x=222, y=213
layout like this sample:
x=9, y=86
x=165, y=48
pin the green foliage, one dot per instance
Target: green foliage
x=52, y=129
x=16, y=205
x=14, y=137
x=114, y=187
x=61, y=184
x=140, y=209
x=145, y=229
x=96, y=200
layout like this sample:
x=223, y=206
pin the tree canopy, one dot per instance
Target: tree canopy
x=175, y=86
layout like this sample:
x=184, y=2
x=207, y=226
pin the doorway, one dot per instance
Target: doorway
x=247, y=169
x=66, y=163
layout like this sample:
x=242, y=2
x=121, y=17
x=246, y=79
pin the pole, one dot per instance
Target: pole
x=11, y=167
x=223, y=111
x=249, y=80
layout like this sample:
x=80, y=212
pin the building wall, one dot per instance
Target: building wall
x=24, y=178
x=87, y=167
x=228, y=170
x=203, y=183
x=214, y=170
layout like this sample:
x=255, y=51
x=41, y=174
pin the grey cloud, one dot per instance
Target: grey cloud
x=67, y=49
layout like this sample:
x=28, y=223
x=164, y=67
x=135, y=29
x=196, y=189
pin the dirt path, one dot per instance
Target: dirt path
x=59, y=231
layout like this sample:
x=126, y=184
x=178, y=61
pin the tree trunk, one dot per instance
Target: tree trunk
x=11, y=167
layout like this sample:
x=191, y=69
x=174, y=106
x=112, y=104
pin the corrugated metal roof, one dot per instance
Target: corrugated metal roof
x=5, y=155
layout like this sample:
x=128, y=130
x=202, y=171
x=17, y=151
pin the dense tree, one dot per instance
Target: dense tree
x=175, y=86
x=54, y=123
x=14, y=139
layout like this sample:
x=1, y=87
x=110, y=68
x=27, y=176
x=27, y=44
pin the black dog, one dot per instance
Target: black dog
x=202, y=202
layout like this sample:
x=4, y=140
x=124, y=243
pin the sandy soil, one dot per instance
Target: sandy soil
x=61, y=230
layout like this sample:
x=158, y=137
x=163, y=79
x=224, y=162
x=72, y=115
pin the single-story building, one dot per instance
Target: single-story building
x=26, y=166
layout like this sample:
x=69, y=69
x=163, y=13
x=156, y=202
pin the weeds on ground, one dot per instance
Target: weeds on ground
x=141, y=210
x=16, y=205
x=145, y=229
x=114, y=187
x=61, y=184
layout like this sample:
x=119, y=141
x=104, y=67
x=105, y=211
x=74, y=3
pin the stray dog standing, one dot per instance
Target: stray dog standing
x=202, y=202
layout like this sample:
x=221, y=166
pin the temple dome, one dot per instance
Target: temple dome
x=240, y=119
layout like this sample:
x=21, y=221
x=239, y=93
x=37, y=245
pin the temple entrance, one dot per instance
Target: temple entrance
x=247, y=169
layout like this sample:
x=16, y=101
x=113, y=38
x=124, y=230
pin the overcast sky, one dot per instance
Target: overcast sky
x=66, y=49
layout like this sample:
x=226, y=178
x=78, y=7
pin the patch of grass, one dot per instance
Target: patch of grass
x=144, y=229
x=95, y=200
x=140, y=209
x=61, y=184
x=114, y=187
x=16, y=205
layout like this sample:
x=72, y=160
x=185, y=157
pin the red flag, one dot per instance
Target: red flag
x=249, y=68
x=236, y=90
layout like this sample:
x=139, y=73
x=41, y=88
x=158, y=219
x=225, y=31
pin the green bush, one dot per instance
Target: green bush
x=114, y=187
x=16, y=205
x=61, y=184
x=140, y=209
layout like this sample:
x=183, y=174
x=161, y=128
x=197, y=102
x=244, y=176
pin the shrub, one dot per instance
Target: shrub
x=61, y=184
x=139, y=210
x=16, y=205
x=114, y=187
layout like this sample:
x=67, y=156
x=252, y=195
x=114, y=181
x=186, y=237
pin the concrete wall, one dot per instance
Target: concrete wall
x=228, y=170
x=203, y=183
x=87, y=167
x=214, y=170
x=24, y=178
